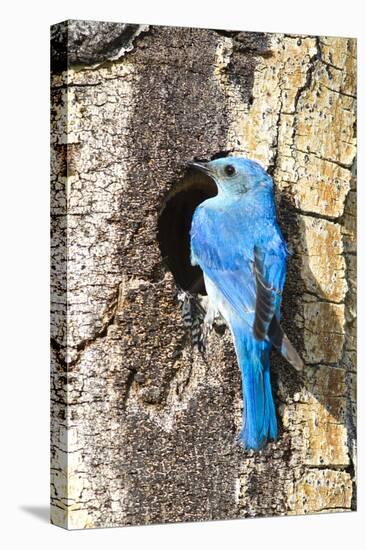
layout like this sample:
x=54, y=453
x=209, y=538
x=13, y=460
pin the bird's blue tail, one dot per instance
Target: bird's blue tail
x=259, y=415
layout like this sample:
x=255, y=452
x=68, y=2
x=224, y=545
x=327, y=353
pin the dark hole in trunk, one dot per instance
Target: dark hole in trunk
x=174, y=226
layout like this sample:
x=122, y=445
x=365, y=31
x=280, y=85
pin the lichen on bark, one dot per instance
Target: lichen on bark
x=144, y=426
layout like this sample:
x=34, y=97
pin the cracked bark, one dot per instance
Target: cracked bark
x=148, y=433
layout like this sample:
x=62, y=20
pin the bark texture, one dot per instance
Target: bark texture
x=143, y=425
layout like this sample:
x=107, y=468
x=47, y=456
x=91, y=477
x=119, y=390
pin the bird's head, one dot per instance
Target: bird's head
x=235, y=175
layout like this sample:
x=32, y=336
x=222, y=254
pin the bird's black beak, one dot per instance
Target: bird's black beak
x=201, y=166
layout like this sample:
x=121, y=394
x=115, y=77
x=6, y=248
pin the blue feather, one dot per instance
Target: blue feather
x=259, y=415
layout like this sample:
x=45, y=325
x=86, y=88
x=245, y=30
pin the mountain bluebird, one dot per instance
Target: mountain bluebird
x=236, y=241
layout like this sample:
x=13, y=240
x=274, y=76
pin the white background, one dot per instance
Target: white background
x=24, y=304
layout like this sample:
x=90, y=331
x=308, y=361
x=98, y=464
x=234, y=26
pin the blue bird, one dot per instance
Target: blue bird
x=236, y=241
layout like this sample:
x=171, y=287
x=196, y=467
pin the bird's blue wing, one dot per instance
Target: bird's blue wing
x=270, y=273
x=249, y=274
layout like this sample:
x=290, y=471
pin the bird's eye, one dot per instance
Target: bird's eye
x=229, y=170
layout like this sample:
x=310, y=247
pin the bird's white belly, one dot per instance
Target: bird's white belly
x=217, y=302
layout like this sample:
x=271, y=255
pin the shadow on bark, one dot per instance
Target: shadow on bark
x=294, y=231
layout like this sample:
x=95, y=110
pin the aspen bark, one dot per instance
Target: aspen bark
x=144, y=425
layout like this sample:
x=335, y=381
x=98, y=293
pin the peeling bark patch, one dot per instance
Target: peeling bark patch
x=90, y=42
x=246, y=50
x=322, y=491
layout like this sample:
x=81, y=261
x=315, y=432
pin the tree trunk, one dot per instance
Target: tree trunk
x=143, y=423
